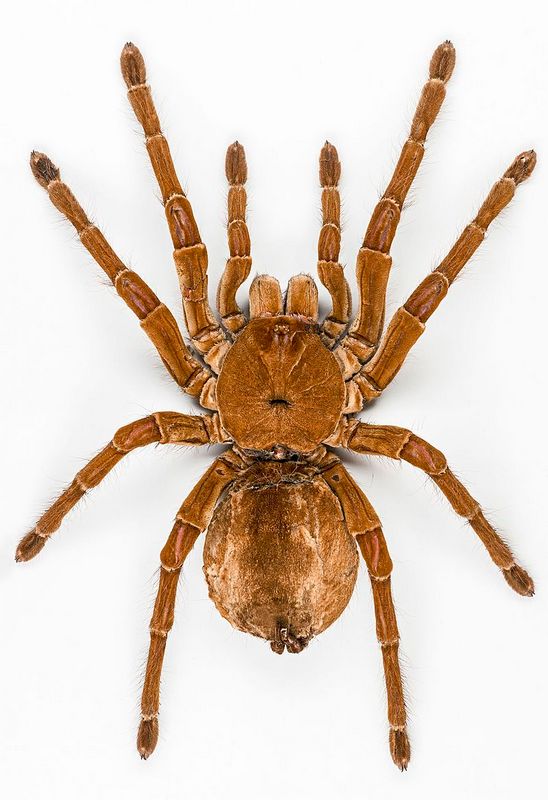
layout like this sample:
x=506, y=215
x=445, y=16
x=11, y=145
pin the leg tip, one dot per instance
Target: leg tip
x=519, y=580
x=400, y=749
x=330, y=166
x=133, y=67
x=235, y=164
x=43, y=169
x=29, y=546
x=147, y=737
x=443, y=62
x=522, y=167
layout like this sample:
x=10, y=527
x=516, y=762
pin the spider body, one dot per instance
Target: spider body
x=284, y=518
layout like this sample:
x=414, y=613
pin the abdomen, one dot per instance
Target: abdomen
x=278, y=559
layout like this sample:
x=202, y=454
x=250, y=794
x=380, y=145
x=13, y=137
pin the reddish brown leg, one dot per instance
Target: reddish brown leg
x=190, y=253
x=408, y=323
x=401, y=443
x=331, y=272
x=265, y=297
x=155, y=318
x=164, y=427
x=363, y=523
x=301, y=299
x=374, y=261
x=239, y=244
x=193, y=517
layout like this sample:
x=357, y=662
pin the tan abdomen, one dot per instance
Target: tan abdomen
x=278, y=559
x=279, y=385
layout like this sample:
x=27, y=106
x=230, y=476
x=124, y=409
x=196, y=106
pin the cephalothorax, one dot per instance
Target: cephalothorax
x=282, y=514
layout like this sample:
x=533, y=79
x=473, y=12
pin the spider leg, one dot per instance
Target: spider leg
x=238, y=265
x=330, y=271
x=190, y=253
x=192, y=518
x=265, y=297
x=363, y=523
x=301, y=299
x=400, y=443
x=155, y=318
x=164, y=427
x=374, y=261
x=408, y=323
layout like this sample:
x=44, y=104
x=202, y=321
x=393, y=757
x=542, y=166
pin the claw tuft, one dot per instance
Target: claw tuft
x=400, y=749
x=29, y=546
x=147, y=737
x=522, y=167
x=330, y=166
x=443, y=62
x=133, y=66
x=235, y=164
x=519, y=580
x=43, y=169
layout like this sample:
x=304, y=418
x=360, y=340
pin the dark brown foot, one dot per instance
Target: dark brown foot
x=400, y=749
x=519, y=580
x=147, y=737
x=43, y=169
x=29, y=546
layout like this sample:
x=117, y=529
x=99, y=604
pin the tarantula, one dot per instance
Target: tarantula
x=283, y=516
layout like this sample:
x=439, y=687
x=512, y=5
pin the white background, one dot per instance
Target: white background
x=238, y=721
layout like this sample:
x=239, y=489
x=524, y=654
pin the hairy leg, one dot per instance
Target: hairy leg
x=400, y=443
x=364, y=524
x=301, y=299
x=193, y=517
x=164, y=427
x=238, y=265
x=155, y=318
x=408, y=323
x=330, y=271
x=265, y=297
x=374, y=261
x=190, y=253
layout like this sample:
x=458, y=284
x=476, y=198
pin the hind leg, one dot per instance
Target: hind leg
x=193, y=518
x=364, y=524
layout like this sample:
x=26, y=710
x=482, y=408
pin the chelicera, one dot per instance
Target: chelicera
x=285, y=520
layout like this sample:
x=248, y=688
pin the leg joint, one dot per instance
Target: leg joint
x=386, y=643
x=159, y=632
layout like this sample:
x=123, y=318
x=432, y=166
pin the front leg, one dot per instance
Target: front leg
x=400, y=443
x=409, y=321
x=164, y=427
x=155, y=318
x=374, y=261
x=190, y=252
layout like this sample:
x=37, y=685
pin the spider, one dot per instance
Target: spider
x=283, y=516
